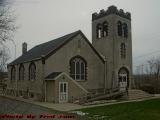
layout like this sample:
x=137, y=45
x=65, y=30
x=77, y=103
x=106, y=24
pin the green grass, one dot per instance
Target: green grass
x=143, y=110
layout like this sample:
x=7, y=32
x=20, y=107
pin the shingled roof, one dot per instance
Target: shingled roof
x=44, y=49
x=48, y=48
x=52, y=75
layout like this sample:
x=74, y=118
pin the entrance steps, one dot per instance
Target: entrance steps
x=132, y=94
x=138, y=94
x=109, y=94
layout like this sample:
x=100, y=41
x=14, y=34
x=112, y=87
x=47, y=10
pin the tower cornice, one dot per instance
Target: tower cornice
x=111, y=10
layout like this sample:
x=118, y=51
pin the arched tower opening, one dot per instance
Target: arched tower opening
x=123, y=79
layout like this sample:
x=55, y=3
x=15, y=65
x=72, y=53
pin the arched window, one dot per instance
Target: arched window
x=105, y=29
x=99, y=31
x=78, y=68
x=119, y=28
x=125, y=30
x=21, y=72
x=32, y=71
x=123, y=50
x=13, y=73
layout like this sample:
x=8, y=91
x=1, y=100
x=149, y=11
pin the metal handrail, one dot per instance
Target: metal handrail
x=91, y=95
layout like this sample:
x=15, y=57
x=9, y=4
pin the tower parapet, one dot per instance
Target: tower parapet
x=111, y=10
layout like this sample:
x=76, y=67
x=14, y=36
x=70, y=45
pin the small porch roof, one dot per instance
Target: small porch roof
x=55, y=75
x=52, y=76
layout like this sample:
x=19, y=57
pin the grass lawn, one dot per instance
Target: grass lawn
x=143, y=110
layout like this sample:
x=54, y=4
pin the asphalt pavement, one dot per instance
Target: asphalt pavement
x=19, y=110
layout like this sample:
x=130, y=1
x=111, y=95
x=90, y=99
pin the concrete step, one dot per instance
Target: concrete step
x=138, y=94
x=1, y=92
x=100, y=97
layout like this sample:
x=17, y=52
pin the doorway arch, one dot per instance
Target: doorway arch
x=123, y=78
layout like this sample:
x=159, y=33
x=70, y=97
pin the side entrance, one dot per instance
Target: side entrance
x=63, y=92
x=123, y=76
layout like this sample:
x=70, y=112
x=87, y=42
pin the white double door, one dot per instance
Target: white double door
x=63, y=92
x=123, y=81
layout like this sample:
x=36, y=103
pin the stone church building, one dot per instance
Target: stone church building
x=66, y=68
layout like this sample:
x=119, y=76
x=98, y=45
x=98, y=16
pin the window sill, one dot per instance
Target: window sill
x=13, y=81
x=32, y=80
x=80, y=80
x=102, y=38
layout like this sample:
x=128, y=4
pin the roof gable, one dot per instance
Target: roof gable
x=49, y=48
x=88, y=42
x=95, y=51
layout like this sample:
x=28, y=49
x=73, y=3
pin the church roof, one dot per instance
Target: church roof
x=49, y=48
x=43, y=49
x=53, y=75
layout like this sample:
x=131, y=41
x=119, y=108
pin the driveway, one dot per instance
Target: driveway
x=30, y=111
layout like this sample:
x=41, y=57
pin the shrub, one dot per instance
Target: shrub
x=148, y=88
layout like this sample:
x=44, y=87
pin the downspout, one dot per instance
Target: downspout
x=16, y=67
x=113, y=72
x=43, y=80
x=105, y=73
x=45, y=93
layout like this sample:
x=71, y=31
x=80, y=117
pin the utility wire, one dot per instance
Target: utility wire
x=151, y=53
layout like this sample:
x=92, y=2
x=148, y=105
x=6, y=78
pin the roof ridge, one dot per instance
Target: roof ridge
x=59, y=37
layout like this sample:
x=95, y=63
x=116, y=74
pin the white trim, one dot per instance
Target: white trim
x=63, y=73
x=79, y=62
x=63, y=93
x=53, y=79
x=122, y=83
x=45, y=91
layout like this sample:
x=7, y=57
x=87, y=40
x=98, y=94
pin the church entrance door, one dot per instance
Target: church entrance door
x=63, y=92
x=123, y=75
x=123, y=82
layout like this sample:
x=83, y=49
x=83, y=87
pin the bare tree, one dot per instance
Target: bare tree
x=7, y=22
x=154, y=67
x=7, y=29
x=150, y=79
x=151, y=65
x=154, y=73
x=4, y=57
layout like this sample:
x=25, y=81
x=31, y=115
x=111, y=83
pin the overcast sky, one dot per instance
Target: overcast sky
x=44, y=20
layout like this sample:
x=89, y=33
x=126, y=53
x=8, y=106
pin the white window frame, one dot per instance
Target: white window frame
x=61, y=100
x=75, y=72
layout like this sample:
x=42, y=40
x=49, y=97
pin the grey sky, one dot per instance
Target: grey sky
x=44, y=20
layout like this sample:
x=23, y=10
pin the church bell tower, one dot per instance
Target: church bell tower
x=111, y=36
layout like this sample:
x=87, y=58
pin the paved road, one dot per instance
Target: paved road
x=13, y=107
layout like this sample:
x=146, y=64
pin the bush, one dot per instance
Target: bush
x=148, y=88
